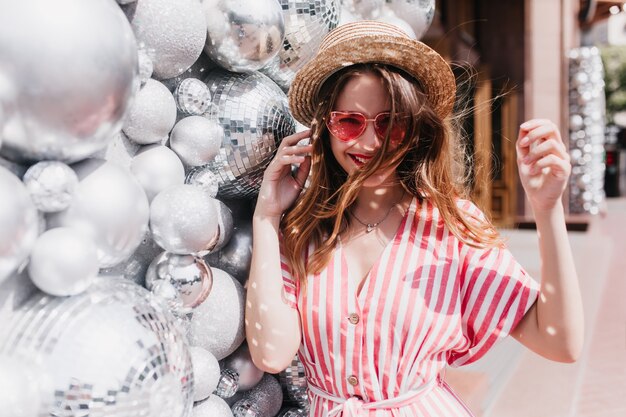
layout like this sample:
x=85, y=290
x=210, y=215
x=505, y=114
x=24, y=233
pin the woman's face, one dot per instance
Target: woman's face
x=364, y=93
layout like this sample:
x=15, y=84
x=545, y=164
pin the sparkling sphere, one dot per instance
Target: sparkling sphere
x=66, y=79
x=214, y=406
x=240, y=361
x=255, y=116
x=417, y=13
x=306, y=24
x=111, y=350
x=203, y=177
x=174, y=29
x=190, y=275
x=293, y=381
x=264, y=400
x=157, y=167
x=152, y=114
x=236, y=257
x=196, y=140
x=192, y=96
x=243, y=35
x=217, y=323
x=228, y=383
x=109, y=206
x=63, y=262
x=206, y=372
x=19, y=223
x=51, y=185
x=183, y=220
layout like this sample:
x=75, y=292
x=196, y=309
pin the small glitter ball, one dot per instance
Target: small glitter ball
x=192, y=96
x=51, y=185
x=246, y=408
x=228, y=384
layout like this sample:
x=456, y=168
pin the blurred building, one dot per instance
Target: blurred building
x=519, y=53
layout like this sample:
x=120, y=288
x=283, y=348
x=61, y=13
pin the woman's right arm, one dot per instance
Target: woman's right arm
x=272, y=325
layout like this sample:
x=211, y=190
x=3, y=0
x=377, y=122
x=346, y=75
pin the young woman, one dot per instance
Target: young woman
x=379, y=272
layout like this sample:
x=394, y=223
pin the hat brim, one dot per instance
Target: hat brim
x=417, y=59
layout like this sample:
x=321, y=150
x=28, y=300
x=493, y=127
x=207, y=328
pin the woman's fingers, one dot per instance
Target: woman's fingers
x=558, y=166
x=549, y=146
x=533, y=134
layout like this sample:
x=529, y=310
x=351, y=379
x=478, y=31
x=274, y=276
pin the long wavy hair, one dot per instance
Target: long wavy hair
x=429, y=164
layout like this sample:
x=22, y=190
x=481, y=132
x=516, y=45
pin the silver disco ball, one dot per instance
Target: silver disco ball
x=293, y=381
x=110, y=351
x=306, y=24
x=255, y=116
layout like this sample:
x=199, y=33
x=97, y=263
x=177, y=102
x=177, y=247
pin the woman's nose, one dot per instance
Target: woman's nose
x=369, y=138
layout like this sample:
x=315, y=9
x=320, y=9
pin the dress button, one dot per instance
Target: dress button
x=353, y=380
x=353, y=318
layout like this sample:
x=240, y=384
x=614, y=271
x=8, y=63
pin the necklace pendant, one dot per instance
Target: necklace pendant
x=370, y=227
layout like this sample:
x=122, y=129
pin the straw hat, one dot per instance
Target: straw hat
x=369, y=41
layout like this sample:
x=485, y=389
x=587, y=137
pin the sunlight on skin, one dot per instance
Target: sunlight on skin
x=551, y=330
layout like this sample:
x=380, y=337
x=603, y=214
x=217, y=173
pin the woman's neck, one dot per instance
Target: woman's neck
x=373, y=200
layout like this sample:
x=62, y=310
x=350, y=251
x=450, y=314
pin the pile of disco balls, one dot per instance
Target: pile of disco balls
x=586, y=130
x=133, y=139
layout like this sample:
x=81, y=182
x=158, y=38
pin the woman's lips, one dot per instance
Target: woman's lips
x=359, y=159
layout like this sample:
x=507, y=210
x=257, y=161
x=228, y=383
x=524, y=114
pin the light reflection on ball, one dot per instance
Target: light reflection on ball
x=111, y=350
x=192, y=96
x=191, y=276
x=243, y=35
x=66, y=79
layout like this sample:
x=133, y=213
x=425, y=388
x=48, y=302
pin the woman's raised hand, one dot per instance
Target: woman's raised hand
x=280, y=187
x=543, y=163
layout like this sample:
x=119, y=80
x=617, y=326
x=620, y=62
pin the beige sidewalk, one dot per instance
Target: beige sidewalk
x=514, y=382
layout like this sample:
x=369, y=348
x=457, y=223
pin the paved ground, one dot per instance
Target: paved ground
x=514, y=382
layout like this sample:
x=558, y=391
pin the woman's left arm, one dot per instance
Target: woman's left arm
x=554, y=325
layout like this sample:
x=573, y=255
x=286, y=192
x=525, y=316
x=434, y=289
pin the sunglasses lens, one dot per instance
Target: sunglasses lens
x=381, y=125
x=346, y=126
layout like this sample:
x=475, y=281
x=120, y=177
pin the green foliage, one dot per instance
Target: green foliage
x=614, y=61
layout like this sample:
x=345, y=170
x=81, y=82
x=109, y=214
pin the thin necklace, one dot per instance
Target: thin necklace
x=371, y=226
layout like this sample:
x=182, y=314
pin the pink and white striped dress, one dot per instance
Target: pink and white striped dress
x=428, y=301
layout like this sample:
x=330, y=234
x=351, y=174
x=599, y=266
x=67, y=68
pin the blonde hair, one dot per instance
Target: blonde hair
x=429, y=165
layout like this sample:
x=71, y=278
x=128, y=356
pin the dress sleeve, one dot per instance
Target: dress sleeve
x=495, y=294
x=290, y=286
